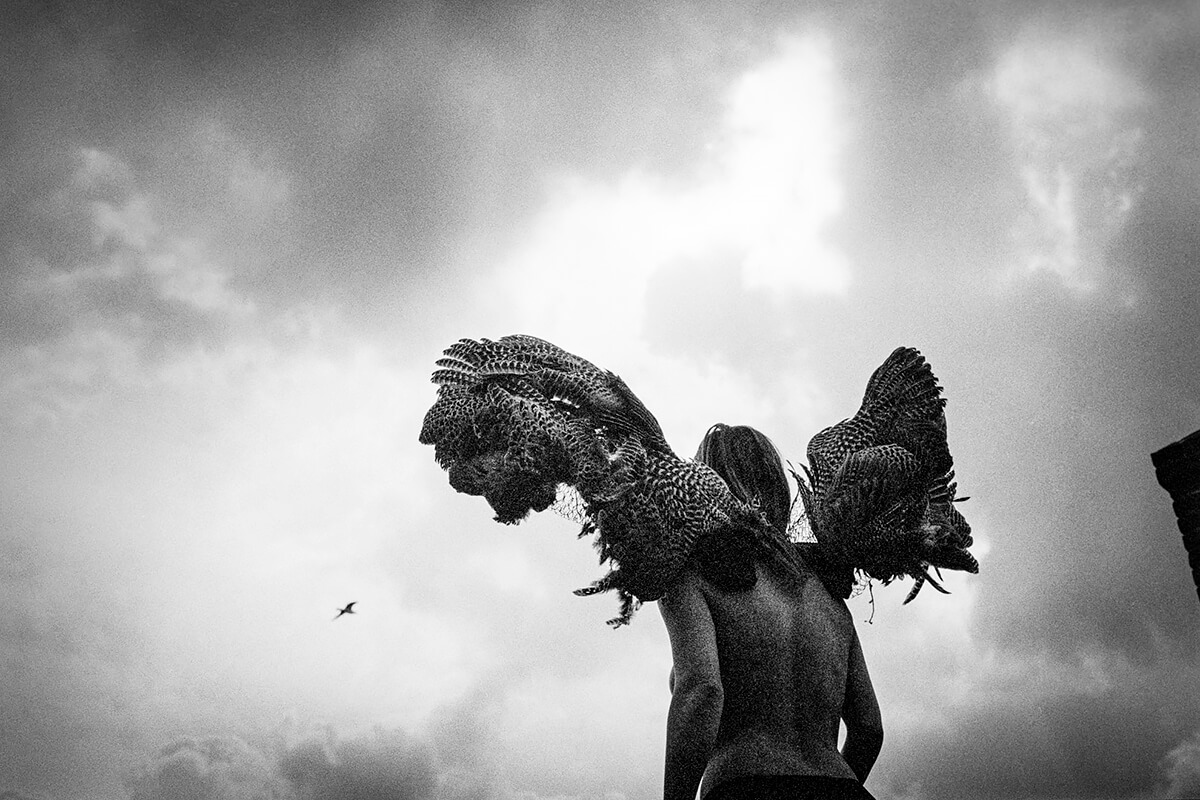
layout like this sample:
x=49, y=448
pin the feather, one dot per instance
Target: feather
x=529, y=426
x=878, y=492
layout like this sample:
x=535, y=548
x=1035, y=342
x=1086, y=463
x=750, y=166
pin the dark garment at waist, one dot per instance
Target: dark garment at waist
x=789, y=787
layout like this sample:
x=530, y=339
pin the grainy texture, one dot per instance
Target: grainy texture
x=880, y=488
x=1177, y=467
x=528, y=426
x=518, y=417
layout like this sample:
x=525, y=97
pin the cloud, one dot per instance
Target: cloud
x=638, y=272
x=762, y=197
x=781, y=186
x=969, y=719
x=465, y=734
x=1075, y=113
x=1181, y=770
x=75, y=669
x=249, y=257
x=106, y=298
x=386, y=766
x=254, y=186
x=211, y=768
x=269, y=502
x=319, y=764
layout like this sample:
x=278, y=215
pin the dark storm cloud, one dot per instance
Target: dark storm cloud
x=147, y=81
x=1097, y=741
x=415, y=137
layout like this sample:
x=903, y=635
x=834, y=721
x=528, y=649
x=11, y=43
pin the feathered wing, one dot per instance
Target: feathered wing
x=515, y=418
x=519, y=420
x=878, y=491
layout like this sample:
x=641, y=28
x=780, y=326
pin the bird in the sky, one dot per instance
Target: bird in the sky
x=529, y=426
x=349, y=609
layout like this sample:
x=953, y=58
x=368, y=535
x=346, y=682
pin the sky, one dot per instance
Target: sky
x=236, y=236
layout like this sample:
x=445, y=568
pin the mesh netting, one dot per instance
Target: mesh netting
x=570, y=505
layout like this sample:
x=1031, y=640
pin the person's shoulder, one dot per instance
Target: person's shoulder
x=687, y=583
x=833, y=608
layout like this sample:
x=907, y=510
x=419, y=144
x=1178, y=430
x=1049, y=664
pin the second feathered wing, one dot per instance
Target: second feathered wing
x=524, y=423
x=519, y=418
x=880, y=493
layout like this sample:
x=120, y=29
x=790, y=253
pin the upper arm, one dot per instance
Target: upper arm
x=860, y=709
x=696, y=696
x=689, y=624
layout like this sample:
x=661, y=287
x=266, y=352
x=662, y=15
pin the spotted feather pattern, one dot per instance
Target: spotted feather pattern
x=529, y=426
x=878, y=491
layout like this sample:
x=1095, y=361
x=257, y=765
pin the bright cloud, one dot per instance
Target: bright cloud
x=759, y=201
x=778, y=184
x=763, y=195
x=1068, y=100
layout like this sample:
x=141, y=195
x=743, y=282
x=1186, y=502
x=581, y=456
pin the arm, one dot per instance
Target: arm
x=860, y=711
x=696, y=694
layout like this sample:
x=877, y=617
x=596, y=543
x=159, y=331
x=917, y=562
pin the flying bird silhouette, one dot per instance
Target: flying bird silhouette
x=349, y=609
x=529, y=426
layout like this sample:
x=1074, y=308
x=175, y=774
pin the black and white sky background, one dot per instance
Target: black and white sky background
x=235, y=236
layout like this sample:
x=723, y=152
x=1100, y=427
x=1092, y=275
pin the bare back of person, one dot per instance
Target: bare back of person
x=766, y=661
x=784, y=656
x=790, y=667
